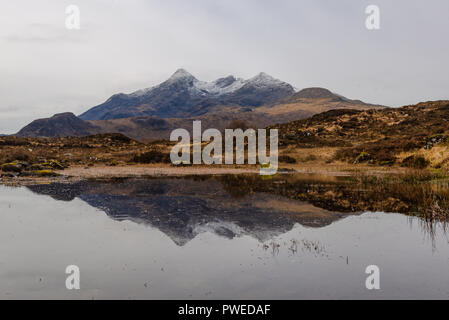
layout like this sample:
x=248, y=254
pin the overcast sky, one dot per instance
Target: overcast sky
x=125, y=45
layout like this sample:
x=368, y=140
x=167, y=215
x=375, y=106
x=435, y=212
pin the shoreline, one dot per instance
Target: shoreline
x=79, y=173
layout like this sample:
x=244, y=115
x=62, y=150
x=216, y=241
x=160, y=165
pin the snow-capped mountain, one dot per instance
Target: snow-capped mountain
x=152, y=113
x=183, y=95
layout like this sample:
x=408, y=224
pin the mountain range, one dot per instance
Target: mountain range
x=183, y=95
x=152, y=113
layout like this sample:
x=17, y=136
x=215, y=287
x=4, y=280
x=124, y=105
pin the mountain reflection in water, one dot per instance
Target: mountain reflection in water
x=183, y=207
x=222, y=237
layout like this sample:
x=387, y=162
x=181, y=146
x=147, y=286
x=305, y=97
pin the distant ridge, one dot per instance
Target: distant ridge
x=315, y=93
x=60, y=125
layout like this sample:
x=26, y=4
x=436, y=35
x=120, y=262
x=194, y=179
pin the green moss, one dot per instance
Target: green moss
x=36, y=167
x=46, y=173
x=11, y=167
x=362, y=157
x=364, y=154
x=53, y=164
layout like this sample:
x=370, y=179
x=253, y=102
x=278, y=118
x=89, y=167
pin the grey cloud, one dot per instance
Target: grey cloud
x=45, y=33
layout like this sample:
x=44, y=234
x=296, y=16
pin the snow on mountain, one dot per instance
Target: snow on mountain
x=265, y=80
x=184, y=95
x=231, y=229
x=218, y=87
x=182, y=74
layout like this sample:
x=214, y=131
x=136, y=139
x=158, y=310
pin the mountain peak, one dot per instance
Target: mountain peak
x=59, y=125
x=315, y=93
x=263, y=80
x=181, y=74
x=64, y=115
x=262, y=76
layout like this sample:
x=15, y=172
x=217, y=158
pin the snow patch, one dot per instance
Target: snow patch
x=263, y=80
x=218, y=87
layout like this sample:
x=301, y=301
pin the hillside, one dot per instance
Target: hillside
x=19, y=155
x=310, y=101
x=417, y=134
x=148, y=128
x=60, y=125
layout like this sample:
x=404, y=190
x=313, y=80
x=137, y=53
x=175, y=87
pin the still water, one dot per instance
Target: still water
x=216, y=238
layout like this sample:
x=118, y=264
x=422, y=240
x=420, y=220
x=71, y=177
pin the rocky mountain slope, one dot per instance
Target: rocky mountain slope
x=182, y=95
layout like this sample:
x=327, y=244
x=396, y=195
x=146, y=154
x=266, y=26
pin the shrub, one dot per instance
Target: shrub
x=54, y=164
x=362, y=157
x=11, y=167
x=416, y=162
x=287, y=159
x=385, y=156
x=152, y=157
x=310, y=157
x=15, y=155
